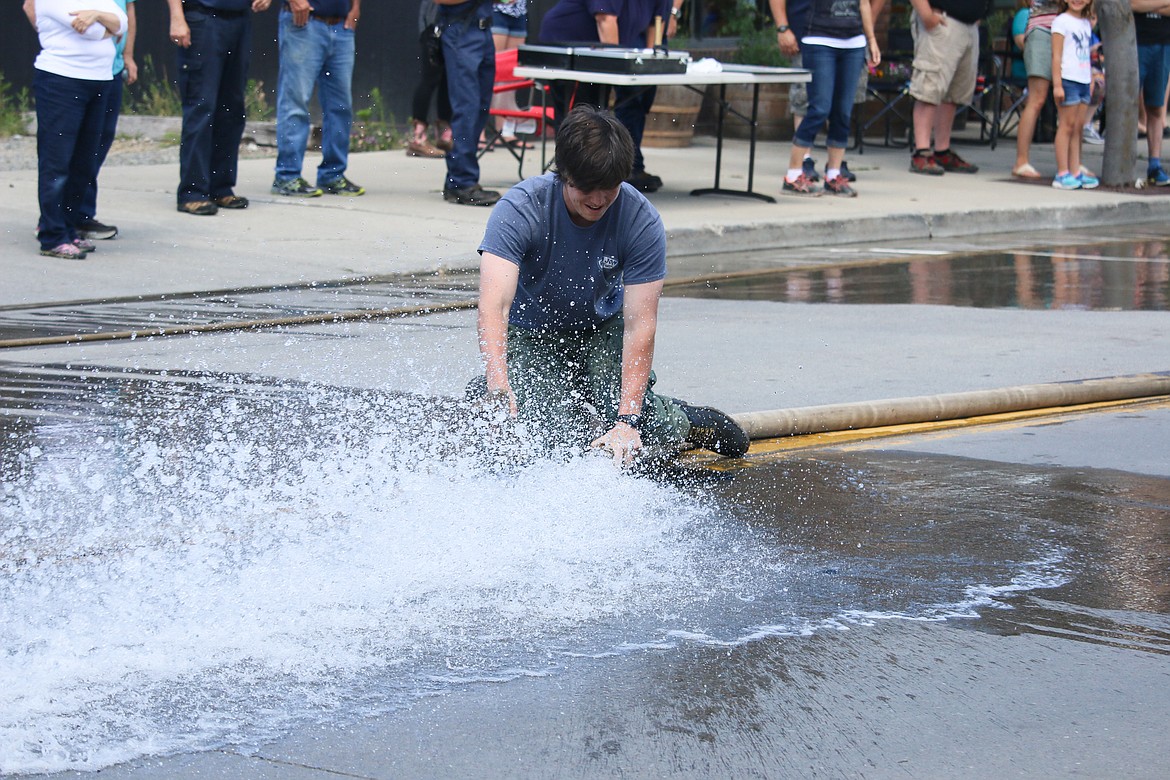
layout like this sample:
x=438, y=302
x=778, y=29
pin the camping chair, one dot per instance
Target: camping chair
x=528, y=121
x=1010, y=93
x=986, y=89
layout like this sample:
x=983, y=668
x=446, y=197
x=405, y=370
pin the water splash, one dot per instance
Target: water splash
x=188, y=562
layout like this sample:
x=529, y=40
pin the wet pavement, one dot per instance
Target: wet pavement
x=285, y=552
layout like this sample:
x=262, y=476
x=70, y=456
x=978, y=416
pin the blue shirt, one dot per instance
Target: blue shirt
x=330, y=7
x=574, y=21
x=572, y=277
x=120, y=44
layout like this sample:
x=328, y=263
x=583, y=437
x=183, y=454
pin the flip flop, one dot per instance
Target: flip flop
x=518, y=143
x=1026, y=171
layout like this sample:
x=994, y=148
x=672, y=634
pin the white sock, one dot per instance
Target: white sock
x=832, y=173
x=792, y=174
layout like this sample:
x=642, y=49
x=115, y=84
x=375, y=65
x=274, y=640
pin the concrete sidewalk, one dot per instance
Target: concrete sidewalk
x=402, y=224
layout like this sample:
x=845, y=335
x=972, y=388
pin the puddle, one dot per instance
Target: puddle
x=189, y=561
x=1116, y=276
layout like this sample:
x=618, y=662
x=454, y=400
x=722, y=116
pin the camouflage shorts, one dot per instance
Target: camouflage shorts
x=568, y=384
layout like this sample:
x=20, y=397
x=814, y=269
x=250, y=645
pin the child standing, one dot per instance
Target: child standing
x=1072, y=78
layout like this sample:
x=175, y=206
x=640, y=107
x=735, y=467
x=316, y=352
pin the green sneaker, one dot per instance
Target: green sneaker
x=298, y=188
x=343, y=186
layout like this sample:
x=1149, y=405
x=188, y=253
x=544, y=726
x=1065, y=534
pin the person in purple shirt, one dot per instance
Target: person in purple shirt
x=626, y=23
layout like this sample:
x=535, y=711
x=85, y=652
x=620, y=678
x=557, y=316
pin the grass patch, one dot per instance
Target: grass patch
x=257, y=106
x=374, y=127
x=14, y=105
x=154, y=94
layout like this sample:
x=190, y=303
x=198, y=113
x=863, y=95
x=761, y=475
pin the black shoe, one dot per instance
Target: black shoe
x=847, y=174
x=95, y=231
x=646, y=182
x=713, y=430
x=474, y=195
x=808, y=167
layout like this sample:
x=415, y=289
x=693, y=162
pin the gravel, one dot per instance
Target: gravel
x=141, y=140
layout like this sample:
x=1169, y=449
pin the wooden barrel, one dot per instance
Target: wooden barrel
x=773, y=118
x=671, y=121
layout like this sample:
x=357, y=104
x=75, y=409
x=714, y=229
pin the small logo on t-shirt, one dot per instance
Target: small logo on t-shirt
x=609, y=262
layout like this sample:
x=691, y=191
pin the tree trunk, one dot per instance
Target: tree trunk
x=1121, y=91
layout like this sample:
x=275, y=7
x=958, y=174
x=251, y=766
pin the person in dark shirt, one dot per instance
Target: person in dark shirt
x=946, y=66
x=469, y=57
x=1153, y=42
x=627, y=23
x=215, y=45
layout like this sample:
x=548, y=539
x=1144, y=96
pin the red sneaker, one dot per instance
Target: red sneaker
x=802, y=187
x=924, y=163
x=953, y=163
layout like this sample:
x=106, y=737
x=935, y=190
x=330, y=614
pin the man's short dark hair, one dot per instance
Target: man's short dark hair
x=594, y=150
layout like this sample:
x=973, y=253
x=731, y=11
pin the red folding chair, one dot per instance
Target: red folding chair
x=529, y=122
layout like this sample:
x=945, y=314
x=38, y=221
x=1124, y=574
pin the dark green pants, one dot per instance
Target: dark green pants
x=568, y=383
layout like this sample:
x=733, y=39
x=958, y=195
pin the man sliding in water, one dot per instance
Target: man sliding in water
x=570, y=276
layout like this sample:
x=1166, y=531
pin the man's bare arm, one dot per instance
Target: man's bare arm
x=497, y=288
x=640, y=311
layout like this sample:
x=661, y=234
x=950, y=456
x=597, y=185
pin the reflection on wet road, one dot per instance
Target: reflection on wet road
x=190, y=560
x=1131, y=275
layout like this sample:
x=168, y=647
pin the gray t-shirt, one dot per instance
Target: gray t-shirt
x=571, y=277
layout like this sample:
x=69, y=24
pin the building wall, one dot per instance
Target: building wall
x=387, y=48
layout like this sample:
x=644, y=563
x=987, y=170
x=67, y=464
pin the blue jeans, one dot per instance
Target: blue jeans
x=470, y=58
x=70, y=119
x=213, y=73
x=317, y=54
x=1153, y=72
x=88, y=206
x=830, y=93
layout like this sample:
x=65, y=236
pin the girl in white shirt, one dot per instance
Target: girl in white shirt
x=1072, y=78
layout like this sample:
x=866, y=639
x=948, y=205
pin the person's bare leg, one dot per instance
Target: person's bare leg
x=1029, y=116
x=944, y=120
x=1155, y=121
x=924, y=120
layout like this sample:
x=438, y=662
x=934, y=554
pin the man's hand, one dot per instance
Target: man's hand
x=789, y=46
x=180, y=32
x=621, y=441
x=300, y=11
x=500, y=393
x=351, y=19
x=260, y=5
x=131, y=70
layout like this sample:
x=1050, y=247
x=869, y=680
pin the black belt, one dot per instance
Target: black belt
x=212, y=11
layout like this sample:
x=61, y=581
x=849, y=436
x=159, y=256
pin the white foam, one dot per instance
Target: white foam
x=167, y=593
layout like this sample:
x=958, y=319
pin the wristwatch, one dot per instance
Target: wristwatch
x=632, y=420
x=782, y=28
x=675, y=11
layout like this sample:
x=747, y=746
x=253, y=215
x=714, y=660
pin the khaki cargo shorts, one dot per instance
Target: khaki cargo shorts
x=946, y=62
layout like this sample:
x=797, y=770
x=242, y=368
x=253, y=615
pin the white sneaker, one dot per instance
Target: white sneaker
x=1091, y=136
